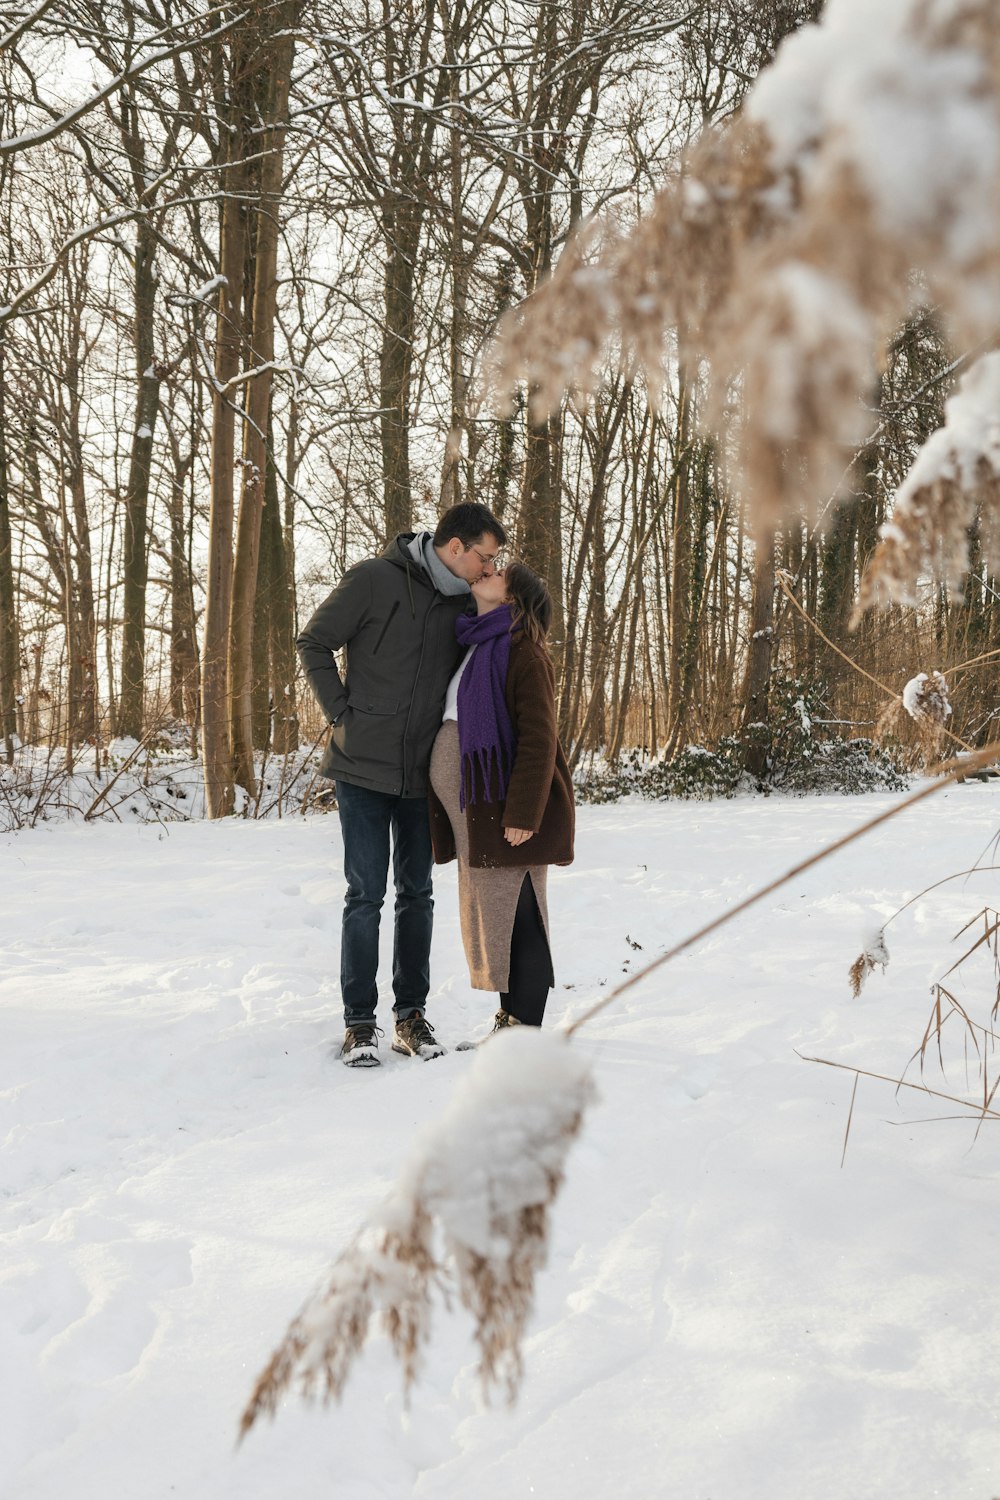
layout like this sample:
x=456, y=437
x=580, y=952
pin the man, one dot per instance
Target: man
x=396, y=616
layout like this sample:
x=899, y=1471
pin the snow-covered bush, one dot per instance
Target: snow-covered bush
x=801, y=754
x=698, y=773
x=845, y=768
x=695, y=771
x=154, y=781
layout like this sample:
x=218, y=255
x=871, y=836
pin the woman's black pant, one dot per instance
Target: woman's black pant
x=531, y=975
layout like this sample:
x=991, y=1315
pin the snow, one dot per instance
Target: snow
x=912, y=692
x=969, y=441
x=724, y=1310
x=204, y=291
x=926, y=696
x=875, y=949
x=912, y=115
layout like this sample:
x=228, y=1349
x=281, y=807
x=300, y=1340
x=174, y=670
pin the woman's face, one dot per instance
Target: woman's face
x=490, y=590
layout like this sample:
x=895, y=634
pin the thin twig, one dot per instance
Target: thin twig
x=973, y=661
x=947, y=774
x=945, y=880
x=850, y=1117
x=902, y=1083
x=129, y=759
x=782, y=579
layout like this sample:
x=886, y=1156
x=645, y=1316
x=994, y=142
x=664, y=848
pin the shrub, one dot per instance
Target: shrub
x=800, y=755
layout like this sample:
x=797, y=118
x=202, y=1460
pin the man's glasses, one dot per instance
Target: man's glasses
x=489, y=559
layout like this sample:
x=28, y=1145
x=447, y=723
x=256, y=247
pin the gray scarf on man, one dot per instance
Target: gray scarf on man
x=421, y=549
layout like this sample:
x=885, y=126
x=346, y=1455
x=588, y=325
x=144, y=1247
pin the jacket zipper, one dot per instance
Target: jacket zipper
x=423, y=642
x=385, y=627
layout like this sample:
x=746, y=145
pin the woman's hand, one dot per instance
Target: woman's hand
x=517, y=836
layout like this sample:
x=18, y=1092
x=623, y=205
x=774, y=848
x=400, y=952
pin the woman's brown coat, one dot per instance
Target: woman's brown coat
x=540, y=794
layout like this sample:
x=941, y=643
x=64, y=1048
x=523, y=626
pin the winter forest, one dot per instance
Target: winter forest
x=701, y=300
x=254, y=261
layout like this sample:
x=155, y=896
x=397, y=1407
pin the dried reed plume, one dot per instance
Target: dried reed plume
x=979, y=1038
x=951, y=493
x=470, y=1213
x=925, y=699
x=787, y=249
x=873, y=955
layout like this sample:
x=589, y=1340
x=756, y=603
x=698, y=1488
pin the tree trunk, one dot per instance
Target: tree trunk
x=83, y=615
x=281, y=620
x=836, y=582
x=9, y=642
x=541, y=520
x=757, y=677
x=183, y=634
x=241, y=655
x=134, y=561
x=217, y=753
x=402, y=239
x=451, y=479
x=681, y=553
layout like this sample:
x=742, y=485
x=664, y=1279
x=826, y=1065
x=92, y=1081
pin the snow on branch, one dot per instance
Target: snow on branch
x=11, y=37
x=784, y=250
x=89, y=231
x=954, y=478
x=12, y=144
x=470, y=1213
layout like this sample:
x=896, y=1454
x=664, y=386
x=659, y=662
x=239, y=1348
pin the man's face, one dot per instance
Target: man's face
x=473, y=562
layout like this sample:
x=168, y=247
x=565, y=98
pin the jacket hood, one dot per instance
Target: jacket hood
x=397, y=551
x=414, y=552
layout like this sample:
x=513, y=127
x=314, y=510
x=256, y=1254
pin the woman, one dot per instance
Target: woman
x=501, y=794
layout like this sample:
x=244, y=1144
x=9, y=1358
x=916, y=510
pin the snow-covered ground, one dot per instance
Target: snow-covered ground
x=727, y=1314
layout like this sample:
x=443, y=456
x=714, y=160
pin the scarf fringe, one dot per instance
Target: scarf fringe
x=485, y=761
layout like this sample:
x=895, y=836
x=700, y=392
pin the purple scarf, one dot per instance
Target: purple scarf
x=485, y=732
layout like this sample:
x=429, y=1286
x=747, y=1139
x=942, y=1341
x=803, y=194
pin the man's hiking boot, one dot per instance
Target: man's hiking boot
x=360, y=1049
x=415, y=1036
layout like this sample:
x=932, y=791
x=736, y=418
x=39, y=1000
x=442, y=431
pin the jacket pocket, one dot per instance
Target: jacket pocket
x=370, y=734
x=372, y=705
x=385, y=627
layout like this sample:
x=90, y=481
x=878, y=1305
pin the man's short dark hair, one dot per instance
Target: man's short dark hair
x=468, y=522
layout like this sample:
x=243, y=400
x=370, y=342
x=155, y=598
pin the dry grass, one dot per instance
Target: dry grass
x=949, y=1018
x=385, y=1270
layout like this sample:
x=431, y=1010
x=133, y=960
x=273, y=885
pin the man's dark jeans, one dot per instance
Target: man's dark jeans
x=367, y=819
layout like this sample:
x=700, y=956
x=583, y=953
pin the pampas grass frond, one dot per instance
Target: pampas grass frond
x=925, y=699
x=952, y=490
x=565, y=354
x=783, y=253
x=874, y=954
x=470, y=1214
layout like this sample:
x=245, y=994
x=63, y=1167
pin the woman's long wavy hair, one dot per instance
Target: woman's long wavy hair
x=531, y=602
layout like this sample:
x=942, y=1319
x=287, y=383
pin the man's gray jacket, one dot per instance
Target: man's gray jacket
x=401, y=653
